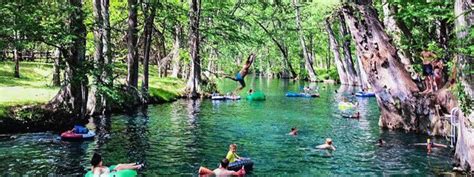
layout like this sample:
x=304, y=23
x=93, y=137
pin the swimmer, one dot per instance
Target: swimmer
x=293, y=132
x=327, y=145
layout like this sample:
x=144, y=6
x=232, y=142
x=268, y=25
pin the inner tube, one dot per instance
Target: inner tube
x=345, y=105
x=292, y=94
x=232, y=97
x=71, y=136
x=256, y=96
x=237, y=165
x=225, y=97
x=350, y=116
x=121, y=173
x=365, y=94
x=217, y=98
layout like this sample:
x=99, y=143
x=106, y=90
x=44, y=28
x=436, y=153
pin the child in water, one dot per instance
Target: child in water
x=232, y=155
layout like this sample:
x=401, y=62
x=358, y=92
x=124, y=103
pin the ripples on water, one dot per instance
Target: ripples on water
x=176, y=138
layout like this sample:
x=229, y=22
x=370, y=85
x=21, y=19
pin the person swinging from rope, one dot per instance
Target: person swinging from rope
x=240, y=76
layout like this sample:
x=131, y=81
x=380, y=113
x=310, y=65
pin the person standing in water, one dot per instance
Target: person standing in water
x=240, y=76
x=327, y=145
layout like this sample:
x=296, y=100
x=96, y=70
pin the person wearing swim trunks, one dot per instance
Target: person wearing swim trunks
x=221, y=171
x=240, y=76
x=428, y=57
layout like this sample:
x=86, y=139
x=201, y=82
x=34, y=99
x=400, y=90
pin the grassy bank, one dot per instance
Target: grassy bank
x=35, y=85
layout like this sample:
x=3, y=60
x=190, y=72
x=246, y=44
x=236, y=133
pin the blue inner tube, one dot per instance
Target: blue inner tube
x=292, y=94
x=365, y=94
x=237, y=165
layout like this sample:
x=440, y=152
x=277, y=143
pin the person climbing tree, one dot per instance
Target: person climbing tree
x=239, y=77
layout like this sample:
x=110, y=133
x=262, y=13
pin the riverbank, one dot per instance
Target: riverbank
x=22, y=99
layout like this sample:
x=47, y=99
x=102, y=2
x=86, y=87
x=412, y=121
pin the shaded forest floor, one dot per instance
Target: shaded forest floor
x=35, y=85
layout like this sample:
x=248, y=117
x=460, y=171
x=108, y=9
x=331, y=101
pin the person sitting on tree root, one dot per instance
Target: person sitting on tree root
x=239, y=77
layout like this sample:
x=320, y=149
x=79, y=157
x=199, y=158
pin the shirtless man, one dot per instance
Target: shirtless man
x=221, y=171
x=428, y=57
x=239, y=77
x=327, y=145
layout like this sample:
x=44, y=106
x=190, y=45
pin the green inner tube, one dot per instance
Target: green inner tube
x=256, y=96
x=121, y=173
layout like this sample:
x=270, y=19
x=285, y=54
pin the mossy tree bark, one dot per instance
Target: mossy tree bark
x=149, y=13
x=464, y=23
x=132, y=56
x=72, y=97
x=194, y=80
x=102, y=75
x=176, y=62
x=351, y=73
x=334, y=44
x=397, y=95
x=56, y=68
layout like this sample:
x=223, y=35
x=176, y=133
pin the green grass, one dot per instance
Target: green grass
x=34, y=84
x=166, y=89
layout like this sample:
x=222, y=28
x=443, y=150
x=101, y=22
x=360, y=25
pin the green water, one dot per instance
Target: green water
x=176, y=138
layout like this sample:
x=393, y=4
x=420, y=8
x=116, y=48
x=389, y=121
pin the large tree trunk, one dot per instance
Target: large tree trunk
x=397, y=95
x=176, y=62
x=346, y=48
x=308, y=64
x=337, y=56
x=106, y=44
x=73, y=96
x=132, y=56
x=194, y=79
x=464, y=22
x=95, y=96
x=56, y=68
x=362, y=75
x=149, y=18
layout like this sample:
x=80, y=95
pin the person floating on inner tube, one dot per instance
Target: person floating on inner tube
x=232, y=155
x=239, y=77
x=221, y=171
x=99, y=170
x=293, y=132
x=327, y=145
